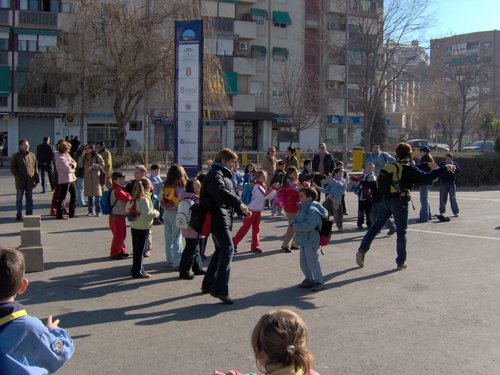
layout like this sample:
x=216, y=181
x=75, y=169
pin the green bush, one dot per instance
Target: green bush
x=476, y=168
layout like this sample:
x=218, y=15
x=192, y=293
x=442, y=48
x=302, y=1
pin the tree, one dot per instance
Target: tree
x=487, y=127
x=117, y=53
x=379, y=130
x=376, y=33
x=299, y=97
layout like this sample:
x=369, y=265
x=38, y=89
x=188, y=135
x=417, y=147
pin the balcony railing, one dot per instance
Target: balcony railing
x=37, y=100
x=4, y=101
x=25, y=58
x=27, y=17
x=4, y=16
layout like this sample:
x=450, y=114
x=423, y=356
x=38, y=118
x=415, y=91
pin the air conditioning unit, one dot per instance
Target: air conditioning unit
x=332, y=85
x=71, y=119
x=243, y=46
x=331, y=25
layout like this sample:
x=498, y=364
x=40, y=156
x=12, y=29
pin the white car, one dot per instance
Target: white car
x=131, y=145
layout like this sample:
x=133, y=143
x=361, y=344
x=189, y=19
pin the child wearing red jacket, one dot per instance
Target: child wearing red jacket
x=292, y=187
x=259, y=196
x=118, y=200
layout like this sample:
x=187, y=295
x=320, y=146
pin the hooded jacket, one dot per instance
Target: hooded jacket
x=307, y=223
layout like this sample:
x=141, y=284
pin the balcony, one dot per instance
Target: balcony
x=336, y=73
x=38, y=19
x=36, y=100
x=245, y=66
x=334, y=6
x=25, y=58
x=4, y=57
x=245, y=29
x=4, y=17
x=244, y=103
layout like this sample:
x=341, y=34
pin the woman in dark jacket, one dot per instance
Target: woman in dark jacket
x=218, y=197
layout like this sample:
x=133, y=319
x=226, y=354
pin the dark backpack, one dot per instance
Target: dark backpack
x=325, y=232
x=389, y=179
x=198, y=216
x=106, y=206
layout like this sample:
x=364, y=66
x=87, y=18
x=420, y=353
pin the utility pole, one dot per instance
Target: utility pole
x=346, y=80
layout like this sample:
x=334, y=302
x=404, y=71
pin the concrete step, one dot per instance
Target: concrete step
x=33, y=258
x=32, y=221
x=31, y=237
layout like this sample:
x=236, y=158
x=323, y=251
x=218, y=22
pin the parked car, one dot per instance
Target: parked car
x=419, y=143
x=480, y=146
x=131, y=145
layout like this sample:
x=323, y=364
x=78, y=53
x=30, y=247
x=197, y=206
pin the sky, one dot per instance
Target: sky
x=463, y=16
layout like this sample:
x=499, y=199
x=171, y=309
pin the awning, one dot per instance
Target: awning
x=259, y=12
x=4, y=80
x=280, y=50
x=281, y=18
x=36, y=32
x=231, y=81
x=254, y=116
x=258, y=50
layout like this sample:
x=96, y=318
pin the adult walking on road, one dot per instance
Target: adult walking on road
x=45, y=156
x=379, y=158
x=396, y=202
x=23, y=167
x=218, y=197
x=65, y=166
x=269, y=164
x=92, y=165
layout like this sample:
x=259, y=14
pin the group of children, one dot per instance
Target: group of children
x=27, y=346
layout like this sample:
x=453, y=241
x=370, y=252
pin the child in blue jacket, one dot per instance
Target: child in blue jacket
x=27, y=346
x=335, y=189
x=307, y=224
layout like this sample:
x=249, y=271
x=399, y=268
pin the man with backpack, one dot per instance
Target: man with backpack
x=395, y=181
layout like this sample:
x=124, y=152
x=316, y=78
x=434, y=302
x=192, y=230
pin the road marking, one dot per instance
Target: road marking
x=469, y=198
x=454, y=234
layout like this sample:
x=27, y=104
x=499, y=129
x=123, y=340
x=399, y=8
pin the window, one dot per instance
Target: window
x=28, y=5
x=46, y=42
x=5, y=4
x=67, y=7
x=487, y=44
x=472, y=46
x=258, y=19
x=280, y=54
x=225, y=47
x=458, y=48
x=332, y=134
x=256, y=88
x=4, y=41
x=27, y=43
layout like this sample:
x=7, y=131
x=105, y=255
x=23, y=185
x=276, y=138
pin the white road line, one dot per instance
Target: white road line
x=454, y=234
x=459, y=198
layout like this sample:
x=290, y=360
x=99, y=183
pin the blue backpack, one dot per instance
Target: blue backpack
x=106, y=206
x=246, y=195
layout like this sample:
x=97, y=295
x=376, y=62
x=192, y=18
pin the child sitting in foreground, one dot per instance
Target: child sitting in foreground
x=26, y=345
x=279, y=342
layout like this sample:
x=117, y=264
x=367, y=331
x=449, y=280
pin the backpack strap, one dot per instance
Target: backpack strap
x=11, y=317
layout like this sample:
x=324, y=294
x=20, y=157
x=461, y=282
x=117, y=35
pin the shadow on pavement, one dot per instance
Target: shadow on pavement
x=338, y=284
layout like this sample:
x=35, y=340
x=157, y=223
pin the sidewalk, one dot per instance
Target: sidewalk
x=440, y=316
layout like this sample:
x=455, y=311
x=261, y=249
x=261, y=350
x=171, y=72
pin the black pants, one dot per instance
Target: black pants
x=191, y=257
x=364, y=209
x=203, y=246
x=47, y=169
x=138, y=247
x=62, y=196
x=216, y=279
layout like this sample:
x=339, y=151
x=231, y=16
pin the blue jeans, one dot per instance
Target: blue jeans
x=94, y=201
x=19, y=201
x=80, y=201
x=399, y=208
x=309, y=264
x=425, y=207
x=216, y=279
x=446, y=188
x=374, y=213
x=173, y=238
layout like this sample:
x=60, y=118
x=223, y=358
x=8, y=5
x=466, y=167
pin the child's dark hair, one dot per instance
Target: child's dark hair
x=309, y=193
x=307, y=162
x=248, y=166
x=116, y=175
x=337, y=170
x=290, y=170
x=189, y=188
x=282, y=335
x=154, y=167
x=11, y=271
x=339, y=163
x=449, y=155
x=291, y=149
x=280, y=163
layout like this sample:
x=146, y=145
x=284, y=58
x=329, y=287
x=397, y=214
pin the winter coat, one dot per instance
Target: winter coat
x=292, y=162
x=269, y=165
x=336, y=188
x=65, y=166
x=108, y=166
x=190, y=233
x=328, y=163
x=307, y=223
x=23, y=167
x=292, y=189
x=380, y=159
x=92, y=186
x=259, y=196
x=218, y=196
x=44, y=154
x=145, y=213
x=118, y=200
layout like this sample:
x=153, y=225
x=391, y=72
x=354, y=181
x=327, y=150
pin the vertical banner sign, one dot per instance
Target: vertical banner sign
x=189, y=95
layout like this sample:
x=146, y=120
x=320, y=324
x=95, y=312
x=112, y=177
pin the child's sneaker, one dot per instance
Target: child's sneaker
x=318, y=287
